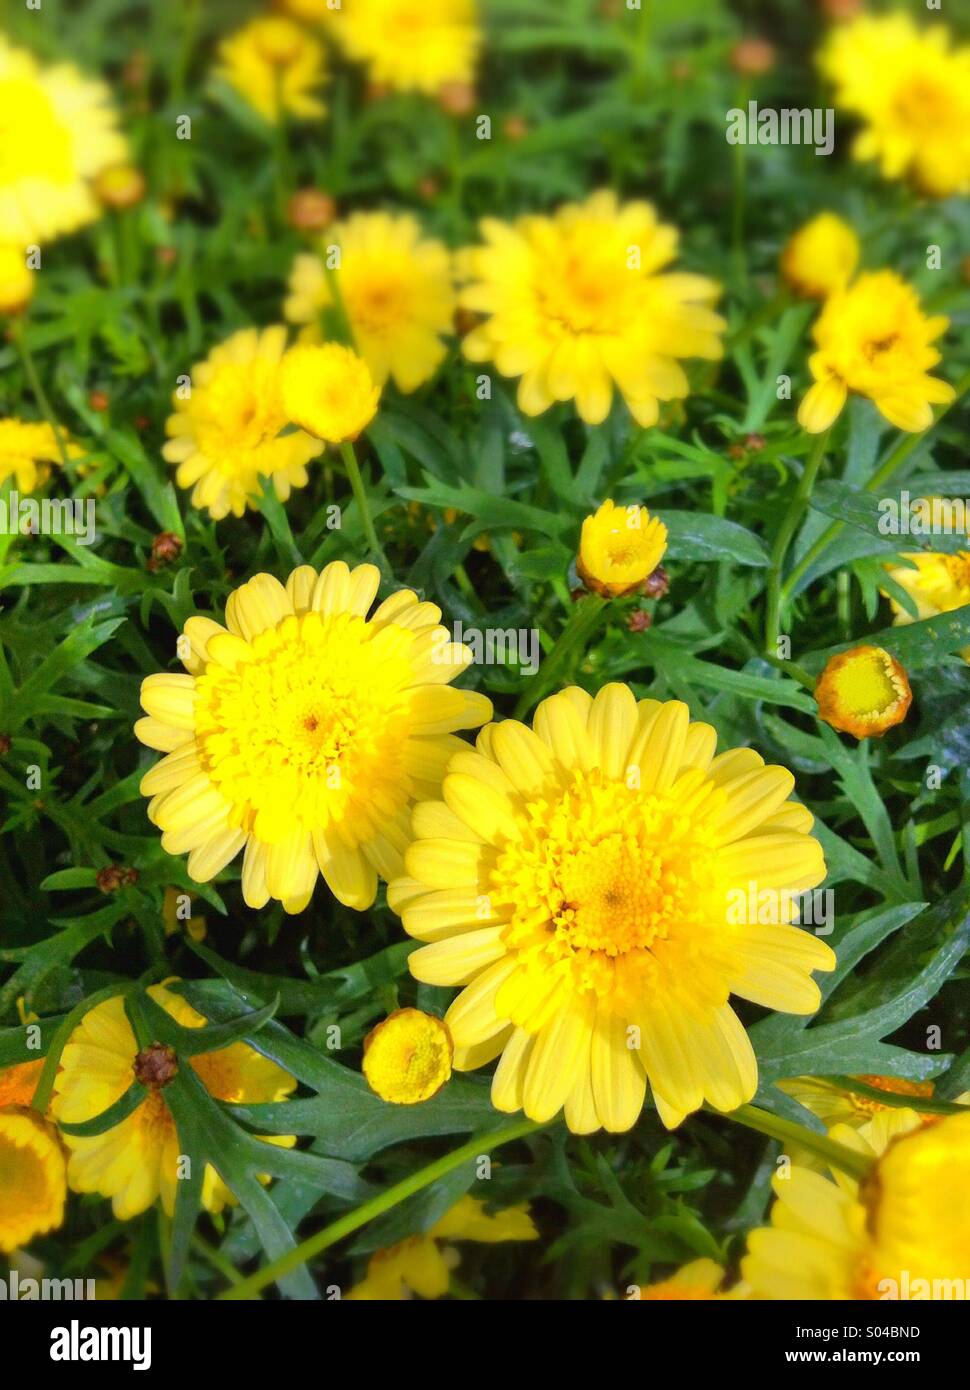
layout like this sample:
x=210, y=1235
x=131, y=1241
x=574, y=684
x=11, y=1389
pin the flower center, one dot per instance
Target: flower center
x=33, y=142
x=958, y=568
x=379, y=304
x=590, y=290
x=240, y=414
x=22, y=1172
x=924, y=104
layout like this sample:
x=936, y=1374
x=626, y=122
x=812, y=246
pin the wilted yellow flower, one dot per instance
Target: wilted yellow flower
x=911, y=88
x=620, y=547
x=407, y=1058
x=589, y=882
x=863, y=692
x=420, y=1267
x=227, y=427
x=303, y=732
x=820, y=257
x=328, y=391
x=576, y=302
x=904, y=1232
x=873, y=338
x=410, y=45
x=396, y=289
x=276, y=66
x=28, y=450
x=937, y=584
x=33, y=1186
x=137, y=1161
x=59, y=131
x=16, y=280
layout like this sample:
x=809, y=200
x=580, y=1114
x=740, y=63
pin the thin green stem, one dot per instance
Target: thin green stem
x=857, y=1165
x=582, y=623
x=368, y=1211
x=360, y=497
x=19, y=336
x=789, y=525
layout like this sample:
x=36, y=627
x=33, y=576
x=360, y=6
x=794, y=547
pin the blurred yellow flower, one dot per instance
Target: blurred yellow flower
x=16, y=280
x=864, y=692
x=874, y=339
x=276, y=66
x=226, y=428
x=620, y=547
x=589, y=882
x=820, y=257
x=396, y=289
x=420, y=1267
x=698, y=1281
x=576, y=302
x=936, y=583
x=120, y=186
x=33, y=1186
x=410, y=45
x=28, y=450
x=407, y=1057
x=911, y=88
x=137, y=1161
x=303, y=733
x=328, y=391
x=59, y=131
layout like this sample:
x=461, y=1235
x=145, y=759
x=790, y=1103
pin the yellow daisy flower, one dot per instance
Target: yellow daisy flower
x=137, y=1161
x=588, y=881
x=937, y=584
x=410, y=45
x=904, y=1232
x=820, y=257
x=407, y=1057
x=28, y=451
x=420, y=1266
x=577, y=301
x=863, y=692
x=303, y=732
x=696, y=1282
x=396, y=290
x=33, y=1186
x=276, y=66
x=59, y=131
x=911, y=88
x=16, y=280
x=619, y=549
x=227, y=425
x=328, y=390
x=873, y=338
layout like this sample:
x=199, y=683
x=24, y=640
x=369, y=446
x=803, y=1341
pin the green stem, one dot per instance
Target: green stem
x=33, y=380
x=582, y=623
x=892, y=464
x=360, y=1216
x=789, y=525
x=360, y=497
x=857, y=1165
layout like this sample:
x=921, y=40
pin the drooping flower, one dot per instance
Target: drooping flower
x=911, y=88
x=936, y=583
x=328, y=391
x=395, y=287
x=833, y=1104
x=578, y=301
x=421, y=1267
x=276, y=66
x=28, y=451
x=59, y=131
x=407, y=1057
x=620, y=547
x=303, y=733
x=589, y=882
x=864, y=692
x=16, y=280
x=33, y=1186
x=137, y=1161
x=903, y=1232
x=874, y=339
x=226, y=429
x=410, y=45
x=820, y=257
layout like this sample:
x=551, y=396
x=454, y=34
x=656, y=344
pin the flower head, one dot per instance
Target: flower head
x=226, y=429
x=276, y=66
x=833, y=1104
x=586, y=881
x=328, y=391
x=578, y=301
x=873, y=338
x=33, y=1186
x=137, y=1161
x=59, y=131
x=28, y=451
x=619, y=549
x=420, y=1266
x=410, y=45
x=303, y=732
x=407, y=1058
x=16, y=280
x=863, y=692
x=698, y=1281
x=820, y=257
x=936, y=583
x=396, y=289
x=120, y=186
x=911, y=89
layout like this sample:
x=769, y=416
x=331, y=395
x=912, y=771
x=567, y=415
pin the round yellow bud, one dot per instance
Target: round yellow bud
x=279, y=41
x=821, y=257
x=619, y=549
x=407, y=1058
x=863, y=692
x=16, y=280
x=328, y=391
x=120, y=186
